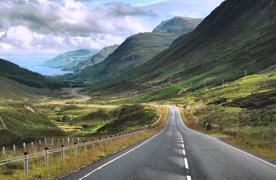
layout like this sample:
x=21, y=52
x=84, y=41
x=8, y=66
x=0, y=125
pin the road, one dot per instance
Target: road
x=179, y=153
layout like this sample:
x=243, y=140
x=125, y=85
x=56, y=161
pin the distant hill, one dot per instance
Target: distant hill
x=95, y=59
x=26, y=77
x=135, y=51
x=178, y=25
x=70, y=59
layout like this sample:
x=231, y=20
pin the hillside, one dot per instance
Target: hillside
x=242, y=111
x=237, y=38
x=26, y=77
x=19, y=88
x=133, y=52
x=69, y=60
x=95, y=59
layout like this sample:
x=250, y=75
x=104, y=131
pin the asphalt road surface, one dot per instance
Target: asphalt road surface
x=179, y=153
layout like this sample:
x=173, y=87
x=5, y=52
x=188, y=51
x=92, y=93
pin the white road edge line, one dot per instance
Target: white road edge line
x=189, y=178
x=119, y=157
x=237, y=149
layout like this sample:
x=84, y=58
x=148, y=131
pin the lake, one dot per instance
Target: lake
x=34, y=63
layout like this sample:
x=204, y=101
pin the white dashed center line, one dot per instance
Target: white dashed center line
x=188, y=177
x=186, y=163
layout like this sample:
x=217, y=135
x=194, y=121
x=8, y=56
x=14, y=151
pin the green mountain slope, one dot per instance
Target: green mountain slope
x=133, y=52
x=69, y=60
x=19, y=119
x=26, y=77
x=238, y=37
x=96, y=58
x=12, y=90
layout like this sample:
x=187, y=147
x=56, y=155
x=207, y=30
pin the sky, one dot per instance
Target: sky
x=45, y=28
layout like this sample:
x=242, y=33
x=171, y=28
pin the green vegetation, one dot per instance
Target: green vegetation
x=129, y=118
x=23, y=76
x=245, y=110
x=223, y=47
x=22, y=122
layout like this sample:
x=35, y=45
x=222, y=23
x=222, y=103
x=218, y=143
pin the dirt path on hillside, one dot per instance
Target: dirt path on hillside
x=76, y=92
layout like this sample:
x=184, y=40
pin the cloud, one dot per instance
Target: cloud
x=190, y=8
x=70, y=16
x=54, y=26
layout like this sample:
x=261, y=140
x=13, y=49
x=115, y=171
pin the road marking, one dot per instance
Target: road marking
x=184, y=155
x=268, y=163
x=237, y=149
x=109, y=162
x=186, y=163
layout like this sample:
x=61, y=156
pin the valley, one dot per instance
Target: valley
x=193, y=98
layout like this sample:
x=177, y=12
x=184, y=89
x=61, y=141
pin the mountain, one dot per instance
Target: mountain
x=134, y=51
x=26, y=77
x=69, y=59
x=96, y=58
x=237, y=38
x=178, y=25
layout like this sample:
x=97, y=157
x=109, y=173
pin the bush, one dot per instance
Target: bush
x=65, y=119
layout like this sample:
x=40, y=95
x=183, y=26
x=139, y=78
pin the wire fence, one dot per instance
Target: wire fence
x=26, y=156
x=52, y=146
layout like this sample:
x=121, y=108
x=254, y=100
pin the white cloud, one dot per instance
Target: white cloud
x=5, y=46
x=53, y=26
x=19, y=35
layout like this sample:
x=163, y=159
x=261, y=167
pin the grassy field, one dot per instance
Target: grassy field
x=17, y=111
x=84, y=156
x=40, y=114
x=244, y=111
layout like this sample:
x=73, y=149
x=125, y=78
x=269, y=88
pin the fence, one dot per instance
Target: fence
x=54, y=147
x=78, y=144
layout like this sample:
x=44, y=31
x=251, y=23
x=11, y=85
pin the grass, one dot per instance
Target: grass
x=84, y=157
x=129, y=118
x=241, y=112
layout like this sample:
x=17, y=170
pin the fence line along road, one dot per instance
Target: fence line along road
x=65, y=148
x=46, y=152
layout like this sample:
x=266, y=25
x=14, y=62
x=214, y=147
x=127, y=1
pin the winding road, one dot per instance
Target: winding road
x=179, y=153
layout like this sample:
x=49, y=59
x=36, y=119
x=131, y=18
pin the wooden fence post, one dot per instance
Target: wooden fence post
x=26, y=163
